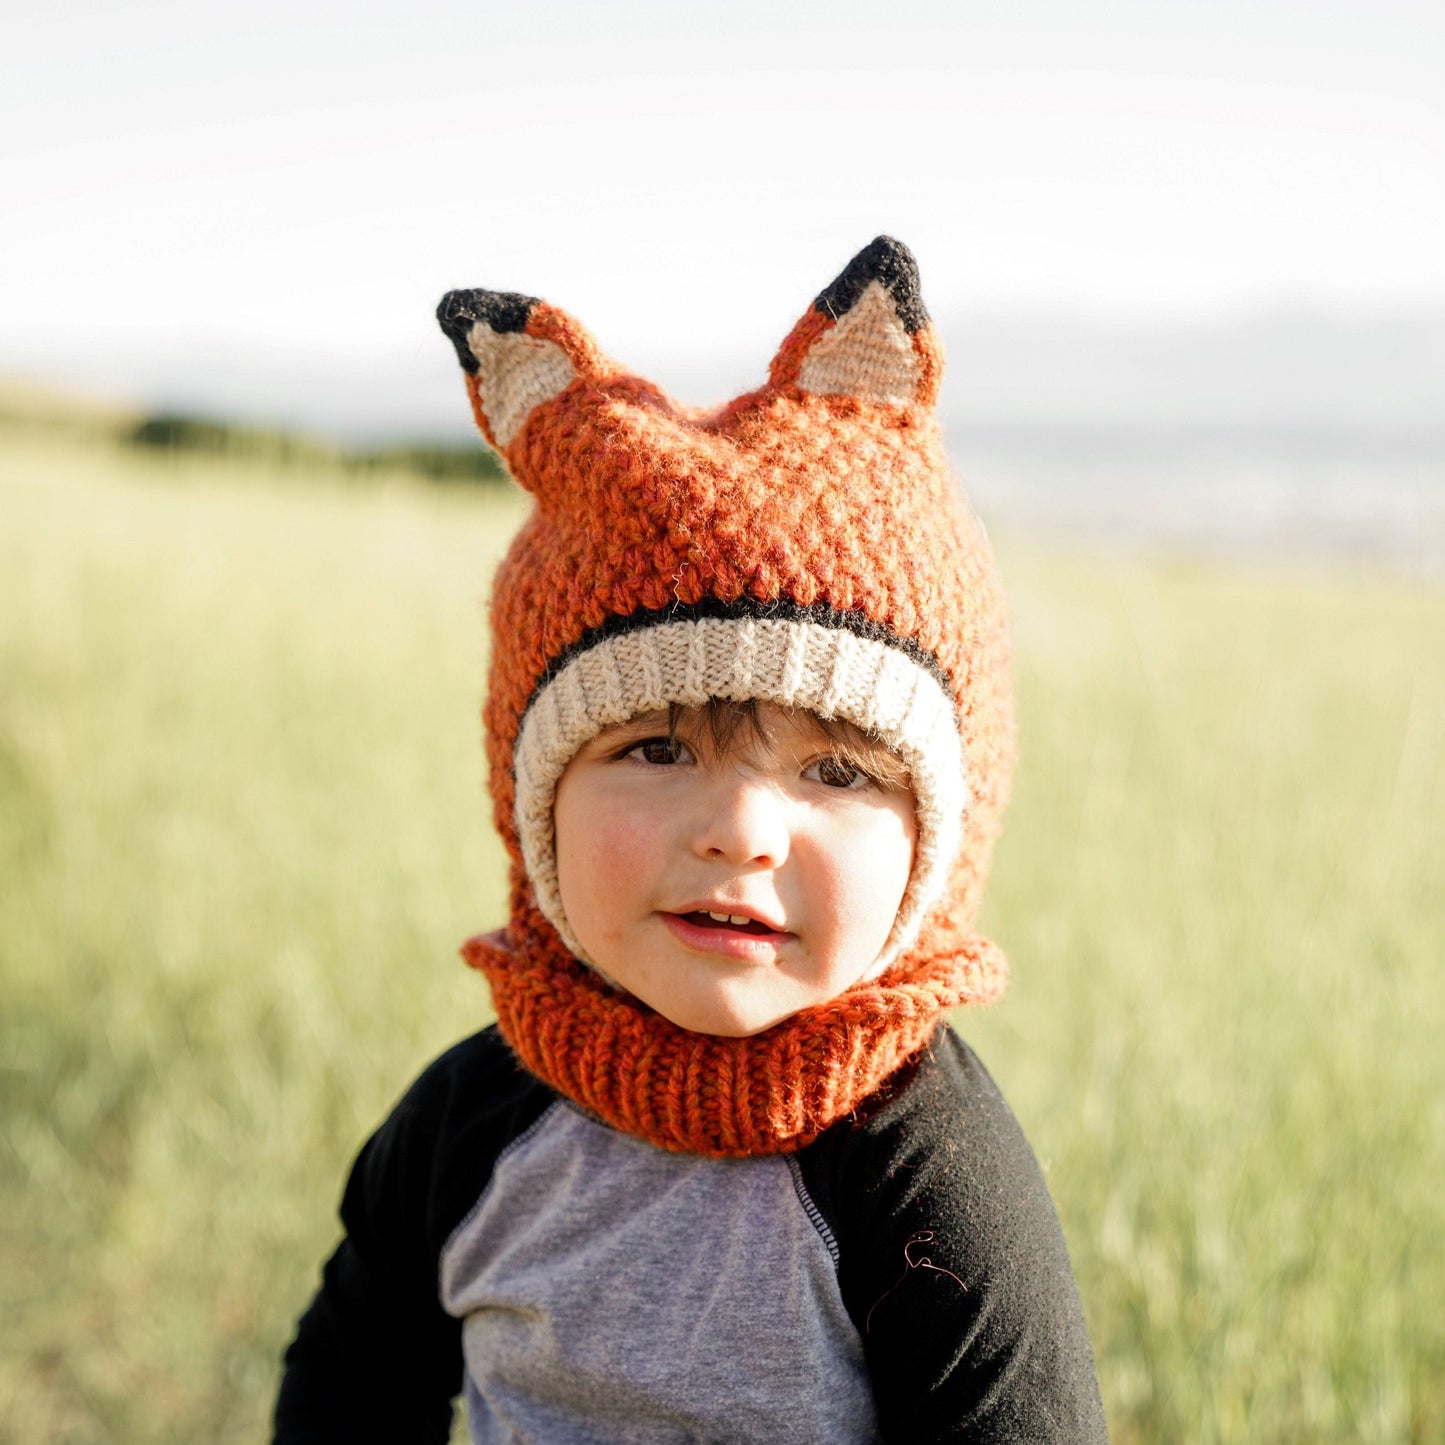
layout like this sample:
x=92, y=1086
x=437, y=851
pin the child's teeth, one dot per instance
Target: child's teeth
x=738, y=918
x=720, y=917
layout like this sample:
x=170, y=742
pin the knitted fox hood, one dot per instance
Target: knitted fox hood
x=803, y=545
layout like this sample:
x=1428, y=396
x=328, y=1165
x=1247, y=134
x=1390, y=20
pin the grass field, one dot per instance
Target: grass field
x=243, y=829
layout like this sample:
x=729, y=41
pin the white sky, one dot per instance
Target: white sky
x=179, y=178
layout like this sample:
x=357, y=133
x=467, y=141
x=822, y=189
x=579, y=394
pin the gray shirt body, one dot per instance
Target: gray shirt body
x=610, y=1290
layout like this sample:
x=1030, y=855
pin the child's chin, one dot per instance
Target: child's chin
x=722, y=1023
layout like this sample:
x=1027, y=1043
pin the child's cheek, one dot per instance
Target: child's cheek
x=607, y=864
x=618, y=858
x=862, y=872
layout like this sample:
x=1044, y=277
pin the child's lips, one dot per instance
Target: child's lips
x=757, y=917
x=735, y=935
x=726, y=918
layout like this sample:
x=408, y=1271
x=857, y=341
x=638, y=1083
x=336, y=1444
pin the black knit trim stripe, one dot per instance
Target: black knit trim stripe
x=818, y=615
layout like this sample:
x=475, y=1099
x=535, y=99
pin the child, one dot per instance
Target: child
x=720, y=1171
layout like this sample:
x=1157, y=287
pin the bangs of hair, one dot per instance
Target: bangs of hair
x=732, y=725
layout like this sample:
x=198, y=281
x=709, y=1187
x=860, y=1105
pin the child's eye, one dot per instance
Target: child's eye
x=659, y=752
x=836, y=773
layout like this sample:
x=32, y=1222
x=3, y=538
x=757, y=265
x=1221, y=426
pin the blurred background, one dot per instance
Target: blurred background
x=1201, y=239
x=1187, y=263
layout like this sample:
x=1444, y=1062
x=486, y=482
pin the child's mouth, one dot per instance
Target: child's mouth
x=733, y=922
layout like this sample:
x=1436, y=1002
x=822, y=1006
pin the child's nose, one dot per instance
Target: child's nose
x=743, y=821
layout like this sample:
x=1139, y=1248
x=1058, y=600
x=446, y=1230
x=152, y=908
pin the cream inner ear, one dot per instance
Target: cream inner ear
x=868, y=353
x=518, y=372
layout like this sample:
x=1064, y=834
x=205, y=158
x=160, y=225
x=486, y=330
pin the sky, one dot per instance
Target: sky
x=259, y=205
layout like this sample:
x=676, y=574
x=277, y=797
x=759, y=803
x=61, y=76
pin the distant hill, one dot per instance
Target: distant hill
x=25, y=403
x=1282, y=371
x=1284, y=431
x=39, y=409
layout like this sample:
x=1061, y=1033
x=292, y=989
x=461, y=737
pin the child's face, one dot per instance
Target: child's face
x=656, y=833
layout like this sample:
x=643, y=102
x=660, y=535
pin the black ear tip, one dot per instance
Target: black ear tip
x=449, y=310
x=892, y=265
x=887, y=254
x=501, y=311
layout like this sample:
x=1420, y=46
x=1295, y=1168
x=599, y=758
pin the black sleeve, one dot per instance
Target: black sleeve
x=952, y=1264
x=376, y=1358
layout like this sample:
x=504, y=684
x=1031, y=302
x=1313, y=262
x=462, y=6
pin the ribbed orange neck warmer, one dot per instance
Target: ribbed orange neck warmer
x=698, y=1093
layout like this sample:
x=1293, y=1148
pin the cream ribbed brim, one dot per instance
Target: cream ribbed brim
x=822, y=669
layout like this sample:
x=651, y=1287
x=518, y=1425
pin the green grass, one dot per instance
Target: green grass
x=1223, y=887
x=243, y=827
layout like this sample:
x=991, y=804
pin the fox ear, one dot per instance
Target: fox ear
x=867, y=334
x=517, y=352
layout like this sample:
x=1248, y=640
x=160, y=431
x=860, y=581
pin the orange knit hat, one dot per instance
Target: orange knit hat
x=804, y=545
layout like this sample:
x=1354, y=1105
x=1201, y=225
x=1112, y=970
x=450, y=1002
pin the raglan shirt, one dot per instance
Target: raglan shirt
x=903, y=1278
